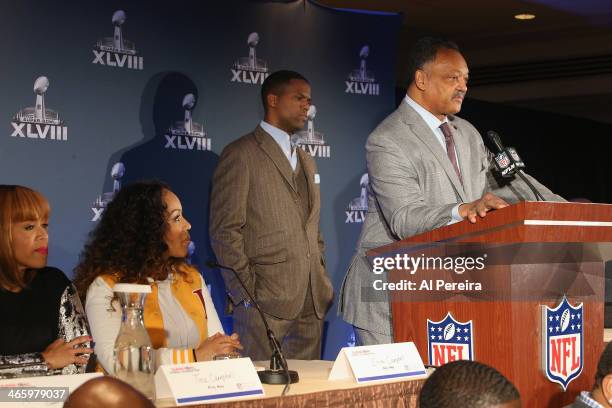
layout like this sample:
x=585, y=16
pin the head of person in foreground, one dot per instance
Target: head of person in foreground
x=468, y=384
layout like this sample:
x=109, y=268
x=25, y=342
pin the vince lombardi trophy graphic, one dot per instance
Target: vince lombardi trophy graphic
x=119, y=18
x=117, y=172
x=39, y=112
x=312, y=112
x=253, y=40
x=189, y=102
x=190, y=251
x=310, y=136
x=351, y=342
x=252, y=63
x=40, y=87
x=106, y=48
x=100, y=204
x=361, y=203
x=362, y=74
x=363, y=54
x=188, y=127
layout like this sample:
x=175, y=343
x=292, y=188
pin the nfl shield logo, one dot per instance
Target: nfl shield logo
x=562, y=342
x=502, y=160
x=449, y=340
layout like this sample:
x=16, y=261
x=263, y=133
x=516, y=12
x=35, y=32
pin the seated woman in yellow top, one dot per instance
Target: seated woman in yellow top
x=143, y=238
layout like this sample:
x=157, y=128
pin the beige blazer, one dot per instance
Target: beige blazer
x=257, y=227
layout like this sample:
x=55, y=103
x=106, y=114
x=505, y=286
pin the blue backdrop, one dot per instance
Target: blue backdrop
x=87, y=85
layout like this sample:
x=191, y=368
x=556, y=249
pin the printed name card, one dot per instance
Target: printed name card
x=378, y=363
x=208, y=381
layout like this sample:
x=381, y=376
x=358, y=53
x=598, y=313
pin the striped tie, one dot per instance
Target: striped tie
x=450, y=148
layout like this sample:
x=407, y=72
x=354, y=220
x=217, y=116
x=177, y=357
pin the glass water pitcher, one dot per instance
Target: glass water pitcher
x=133, y=353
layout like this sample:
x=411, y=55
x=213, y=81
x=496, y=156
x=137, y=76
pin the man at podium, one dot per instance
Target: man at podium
x=427, y=168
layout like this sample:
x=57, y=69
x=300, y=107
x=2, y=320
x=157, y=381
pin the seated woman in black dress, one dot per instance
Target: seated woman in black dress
x=44, y=330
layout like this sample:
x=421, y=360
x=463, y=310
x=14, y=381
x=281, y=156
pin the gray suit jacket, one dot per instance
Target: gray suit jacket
x=413, y=188
x=257, y=227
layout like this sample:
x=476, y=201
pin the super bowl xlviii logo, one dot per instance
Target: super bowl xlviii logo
x=310, y=141
x=562, y=342
x=117, y=51
x=117, y=172
x=357, y=208
x=187, y=134
x=449, y=340
x=250, y=70
x=38, y=122
x=361, y=80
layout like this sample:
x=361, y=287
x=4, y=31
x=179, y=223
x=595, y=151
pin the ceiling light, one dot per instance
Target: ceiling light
x=524, y=16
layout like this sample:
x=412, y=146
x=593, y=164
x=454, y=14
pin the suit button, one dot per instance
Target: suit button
x=308, y=255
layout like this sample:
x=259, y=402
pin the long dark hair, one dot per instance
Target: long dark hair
x=128, y=242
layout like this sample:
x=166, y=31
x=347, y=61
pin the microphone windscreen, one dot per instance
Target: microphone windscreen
x=494, y=137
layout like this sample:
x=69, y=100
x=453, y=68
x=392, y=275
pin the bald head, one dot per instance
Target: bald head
x=107, y=392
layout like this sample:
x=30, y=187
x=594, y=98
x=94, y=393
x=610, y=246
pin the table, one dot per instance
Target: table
x=314, y=390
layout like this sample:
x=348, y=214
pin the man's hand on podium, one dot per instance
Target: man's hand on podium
x=480, y=207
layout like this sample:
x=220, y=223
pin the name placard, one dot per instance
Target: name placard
x=208, y=381
x=378, y=363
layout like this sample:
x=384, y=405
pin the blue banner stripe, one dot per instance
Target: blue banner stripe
x=218, y=396
x=384, y=377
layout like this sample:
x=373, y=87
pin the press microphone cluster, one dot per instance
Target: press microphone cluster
x=279, y=372
x=507, y=159
x=508, y=163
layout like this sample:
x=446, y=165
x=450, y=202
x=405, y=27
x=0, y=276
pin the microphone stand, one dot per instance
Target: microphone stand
x=535, y=191
x=279, y=372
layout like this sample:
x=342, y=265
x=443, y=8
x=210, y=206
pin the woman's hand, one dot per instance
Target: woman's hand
x=218, y=344
x=59, y=354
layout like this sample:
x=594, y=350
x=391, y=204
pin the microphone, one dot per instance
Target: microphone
x=279, y=372
x=494, y=137
x=508, y=162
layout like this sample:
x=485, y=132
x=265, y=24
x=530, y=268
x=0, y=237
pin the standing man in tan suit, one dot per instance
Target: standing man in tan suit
x=264, y=223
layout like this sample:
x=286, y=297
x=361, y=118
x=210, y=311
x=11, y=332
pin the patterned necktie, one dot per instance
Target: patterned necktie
x=294, y=146
x=450, y=148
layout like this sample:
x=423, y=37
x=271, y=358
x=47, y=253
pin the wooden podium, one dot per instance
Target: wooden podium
x=507, y=330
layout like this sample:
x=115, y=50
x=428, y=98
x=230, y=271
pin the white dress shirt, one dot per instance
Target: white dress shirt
x=284, y=141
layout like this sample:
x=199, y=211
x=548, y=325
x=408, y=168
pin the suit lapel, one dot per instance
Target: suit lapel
x=274, y=152
x=420, y=129
x=308, y=167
